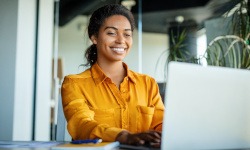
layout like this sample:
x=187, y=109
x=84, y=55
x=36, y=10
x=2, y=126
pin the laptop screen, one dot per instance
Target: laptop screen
x=206, y=107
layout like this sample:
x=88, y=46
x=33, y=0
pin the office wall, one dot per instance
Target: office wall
x=7, y=65
x=73, y=40
x=17, y=28
x=153, y=46
x=21, y=38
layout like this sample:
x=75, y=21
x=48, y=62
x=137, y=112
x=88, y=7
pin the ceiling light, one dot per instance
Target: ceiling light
x=179, y=19
x=128, y=3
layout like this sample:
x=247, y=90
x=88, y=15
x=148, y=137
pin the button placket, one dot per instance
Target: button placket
x=125, y=120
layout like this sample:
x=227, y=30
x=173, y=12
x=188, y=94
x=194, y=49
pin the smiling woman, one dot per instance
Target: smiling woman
x=114, y=39
x=109, y=101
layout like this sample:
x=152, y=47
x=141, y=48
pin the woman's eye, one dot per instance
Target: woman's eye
x=127, y=35
x=111, y=33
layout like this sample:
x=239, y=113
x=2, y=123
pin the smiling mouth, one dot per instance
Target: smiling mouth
x=118, y=50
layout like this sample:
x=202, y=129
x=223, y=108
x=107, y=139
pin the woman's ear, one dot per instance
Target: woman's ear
x=93, y=39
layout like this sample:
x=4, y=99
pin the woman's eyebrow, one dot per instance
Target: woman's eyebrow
x=108, y=27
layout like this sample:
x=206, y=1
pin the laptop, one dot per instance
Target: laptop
x=206, y=107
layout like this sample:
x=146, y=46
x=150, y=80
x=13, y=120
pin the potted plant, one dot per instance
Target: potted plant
x=178, y=51
x=232, y=50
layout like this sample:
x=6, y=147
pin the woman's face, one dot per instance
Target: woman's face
x=114, y=40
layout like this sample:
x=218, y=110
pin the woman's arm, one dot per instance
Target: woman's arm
x=80, y=119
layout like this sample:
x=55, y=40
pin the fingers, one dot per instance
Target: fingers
x=151, y=138
x=157, y=134
x=135, y=140
x=155, y=145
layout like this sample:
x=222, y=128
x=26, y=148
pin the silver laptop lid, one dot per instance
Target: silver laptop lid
x=206, y=108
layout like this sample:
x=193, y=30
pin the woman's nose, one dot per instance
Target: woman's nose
x=120, y=38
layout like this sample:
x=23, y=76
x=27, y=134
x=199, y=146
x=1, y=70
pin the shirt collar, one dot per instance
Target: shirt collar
x=130, y=74
x=99, y=76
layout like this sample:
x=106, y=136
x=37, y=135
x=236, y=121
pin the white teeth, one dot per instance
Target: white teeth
x=118, y=50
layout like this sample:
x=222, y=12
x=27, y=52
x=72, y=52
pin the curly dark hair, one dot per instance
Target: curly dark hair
x=95, y=22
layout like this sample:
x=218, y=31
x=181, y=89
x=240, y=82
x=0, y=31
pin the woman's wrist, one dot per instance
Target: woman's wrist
x=122, y=137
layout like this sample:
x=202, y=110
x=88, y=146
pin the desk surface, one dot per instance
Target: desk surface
x=28, y=145
x=41, y=145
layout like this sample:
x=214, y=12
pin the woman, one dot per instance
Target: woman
x=108, y=100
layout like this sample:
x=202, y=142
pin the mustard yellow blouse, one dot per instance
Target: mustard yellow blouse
x=95, y=108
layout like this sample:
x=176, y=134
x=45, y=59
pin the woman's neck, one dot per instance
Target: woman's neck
x=115, y=71
x=112, y=69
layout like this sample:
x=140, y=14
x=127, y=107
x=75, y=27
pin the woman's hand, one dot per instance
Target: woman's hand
x=151, y=138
